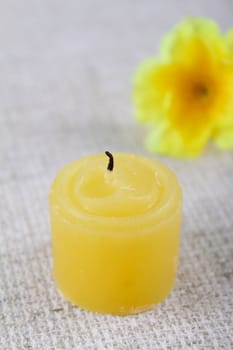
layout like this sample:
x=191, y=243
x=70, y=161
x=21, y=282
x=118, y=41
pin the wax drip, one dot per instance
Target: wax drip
x=111, y=160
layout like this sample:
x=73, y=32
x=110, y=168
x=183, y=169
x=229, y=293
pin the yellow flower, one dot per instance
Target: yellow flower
x=186, y=94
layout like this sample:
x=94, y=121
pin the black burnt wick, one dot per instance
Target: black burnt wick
x=111, y=161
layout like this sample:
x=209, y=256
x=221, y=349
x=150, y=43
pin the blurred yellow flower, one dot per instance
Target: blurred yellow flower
x=186, y=94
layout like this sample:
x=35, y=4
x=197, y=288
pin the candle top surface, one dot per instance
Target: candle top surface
x=135, y=186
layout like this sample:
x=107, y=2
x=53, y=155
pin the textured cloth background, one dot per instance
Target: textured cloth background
x=65, y=71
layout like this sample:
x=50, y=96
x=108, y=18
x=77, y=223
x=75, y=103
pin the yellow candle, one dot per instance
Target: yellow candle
x=115, y=232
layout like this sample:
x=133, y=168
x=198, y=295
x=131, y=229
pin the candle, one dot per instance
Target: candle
x=115, y=232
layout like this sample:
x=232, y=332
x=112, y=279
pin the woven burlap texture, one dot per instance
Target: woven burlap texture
x=66, y=70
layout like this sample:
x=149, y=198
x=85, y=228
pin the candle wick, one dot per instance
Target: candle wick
x=111, y=160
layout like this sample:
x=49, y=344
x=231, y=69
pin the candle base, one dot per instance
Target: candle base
x=109, y=307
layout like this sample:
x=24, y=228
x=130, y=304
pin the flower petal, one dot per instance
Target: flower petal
x=198, y=28
x=152, y=87
x=229, y=41
x=164, y=139
x=144, y=94
x=224, y=138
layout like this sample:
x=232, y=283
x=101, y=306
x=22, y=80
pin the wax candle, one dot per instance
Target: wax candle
x=115, y=232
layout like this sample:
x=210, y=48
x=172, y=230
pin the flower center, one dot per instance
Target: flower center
x=200, y=90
